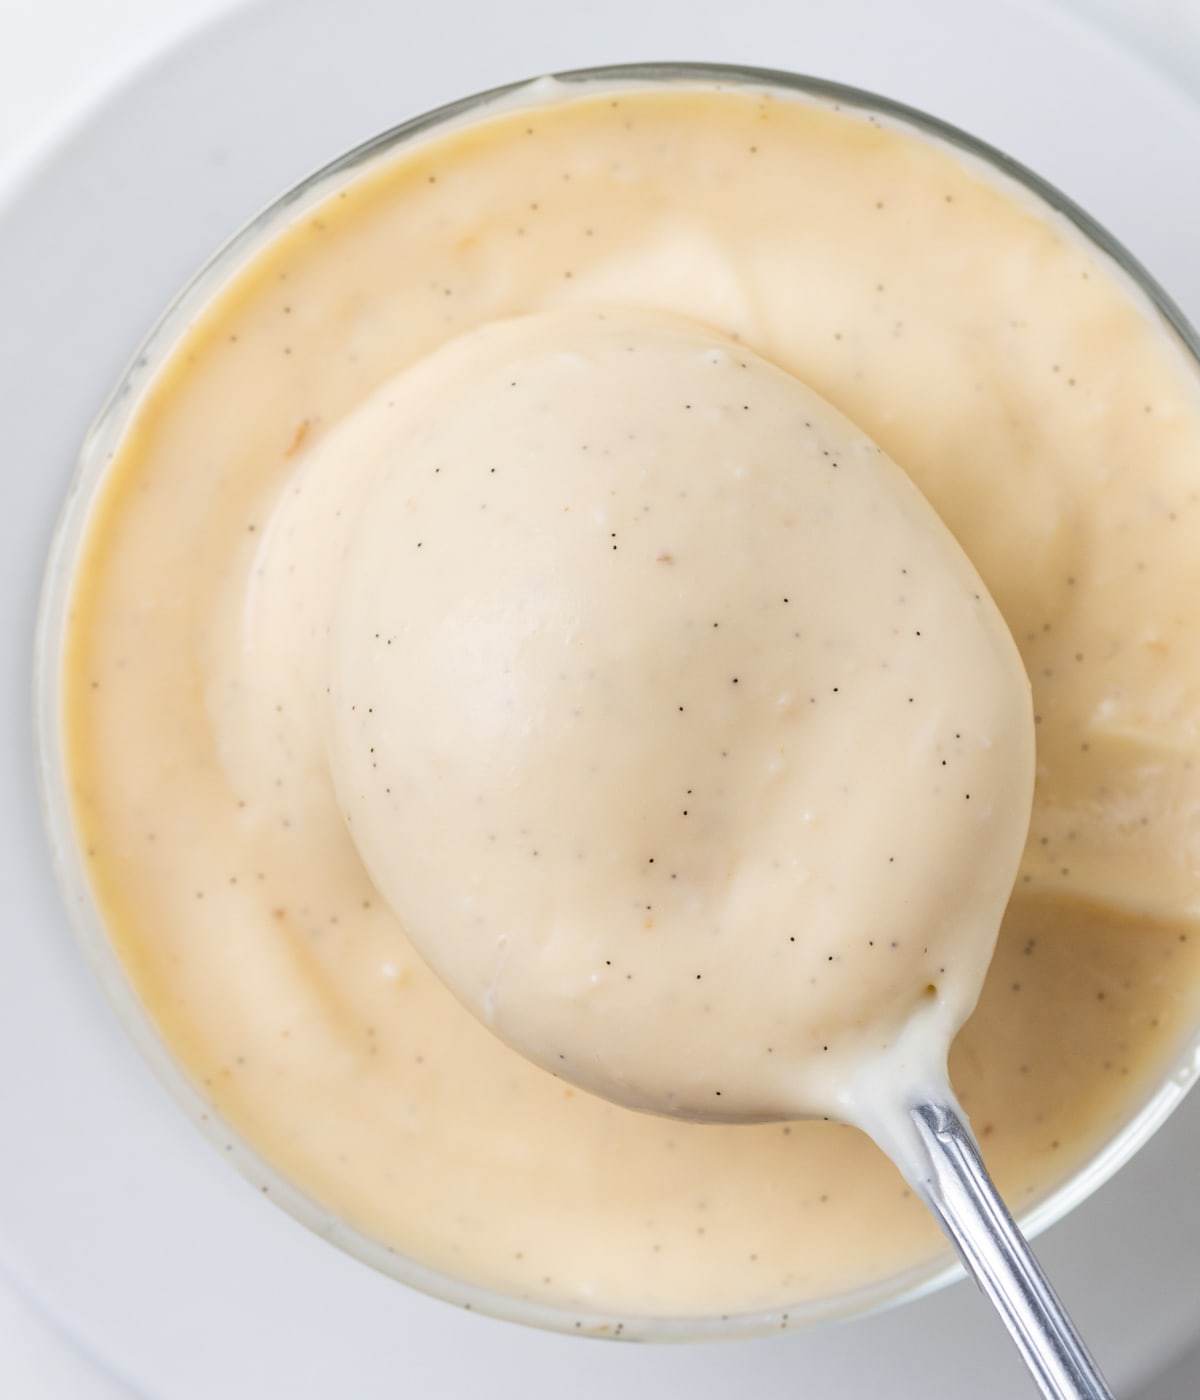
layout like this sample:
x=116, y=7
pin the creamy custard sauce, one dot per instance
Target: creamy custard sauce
x=1013, y=374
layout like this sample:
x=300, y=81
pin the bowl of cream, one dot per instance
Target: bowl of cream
x=208, y=610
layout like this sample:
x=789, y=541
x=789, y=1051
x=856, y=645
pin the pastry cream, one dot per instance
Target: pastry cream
x=666, y=715
x=1004, y=364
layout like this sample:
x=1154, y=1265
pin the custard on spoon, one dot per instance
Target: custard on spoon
x=672, y=722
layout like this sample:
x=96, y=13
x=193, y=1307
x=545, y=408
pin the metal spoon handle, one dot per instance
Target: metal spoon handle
x=949, y=1173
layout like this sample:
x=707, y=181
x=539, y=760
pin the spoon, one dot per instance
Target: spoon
x=942, y=1163
x=656, y=690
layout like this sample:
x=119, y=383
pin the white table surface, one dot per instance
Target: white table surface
x=58, y=58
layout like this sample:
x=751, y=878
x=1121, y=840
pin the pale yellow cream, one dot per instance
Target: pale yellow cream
x=667, y=717
x=1011, y=372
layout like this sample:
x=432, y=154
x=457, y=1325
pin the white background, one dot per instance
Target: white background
x=58, y=57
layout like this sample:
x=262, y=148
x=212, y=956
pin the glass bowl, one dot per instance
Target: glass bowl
x=95, y=456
